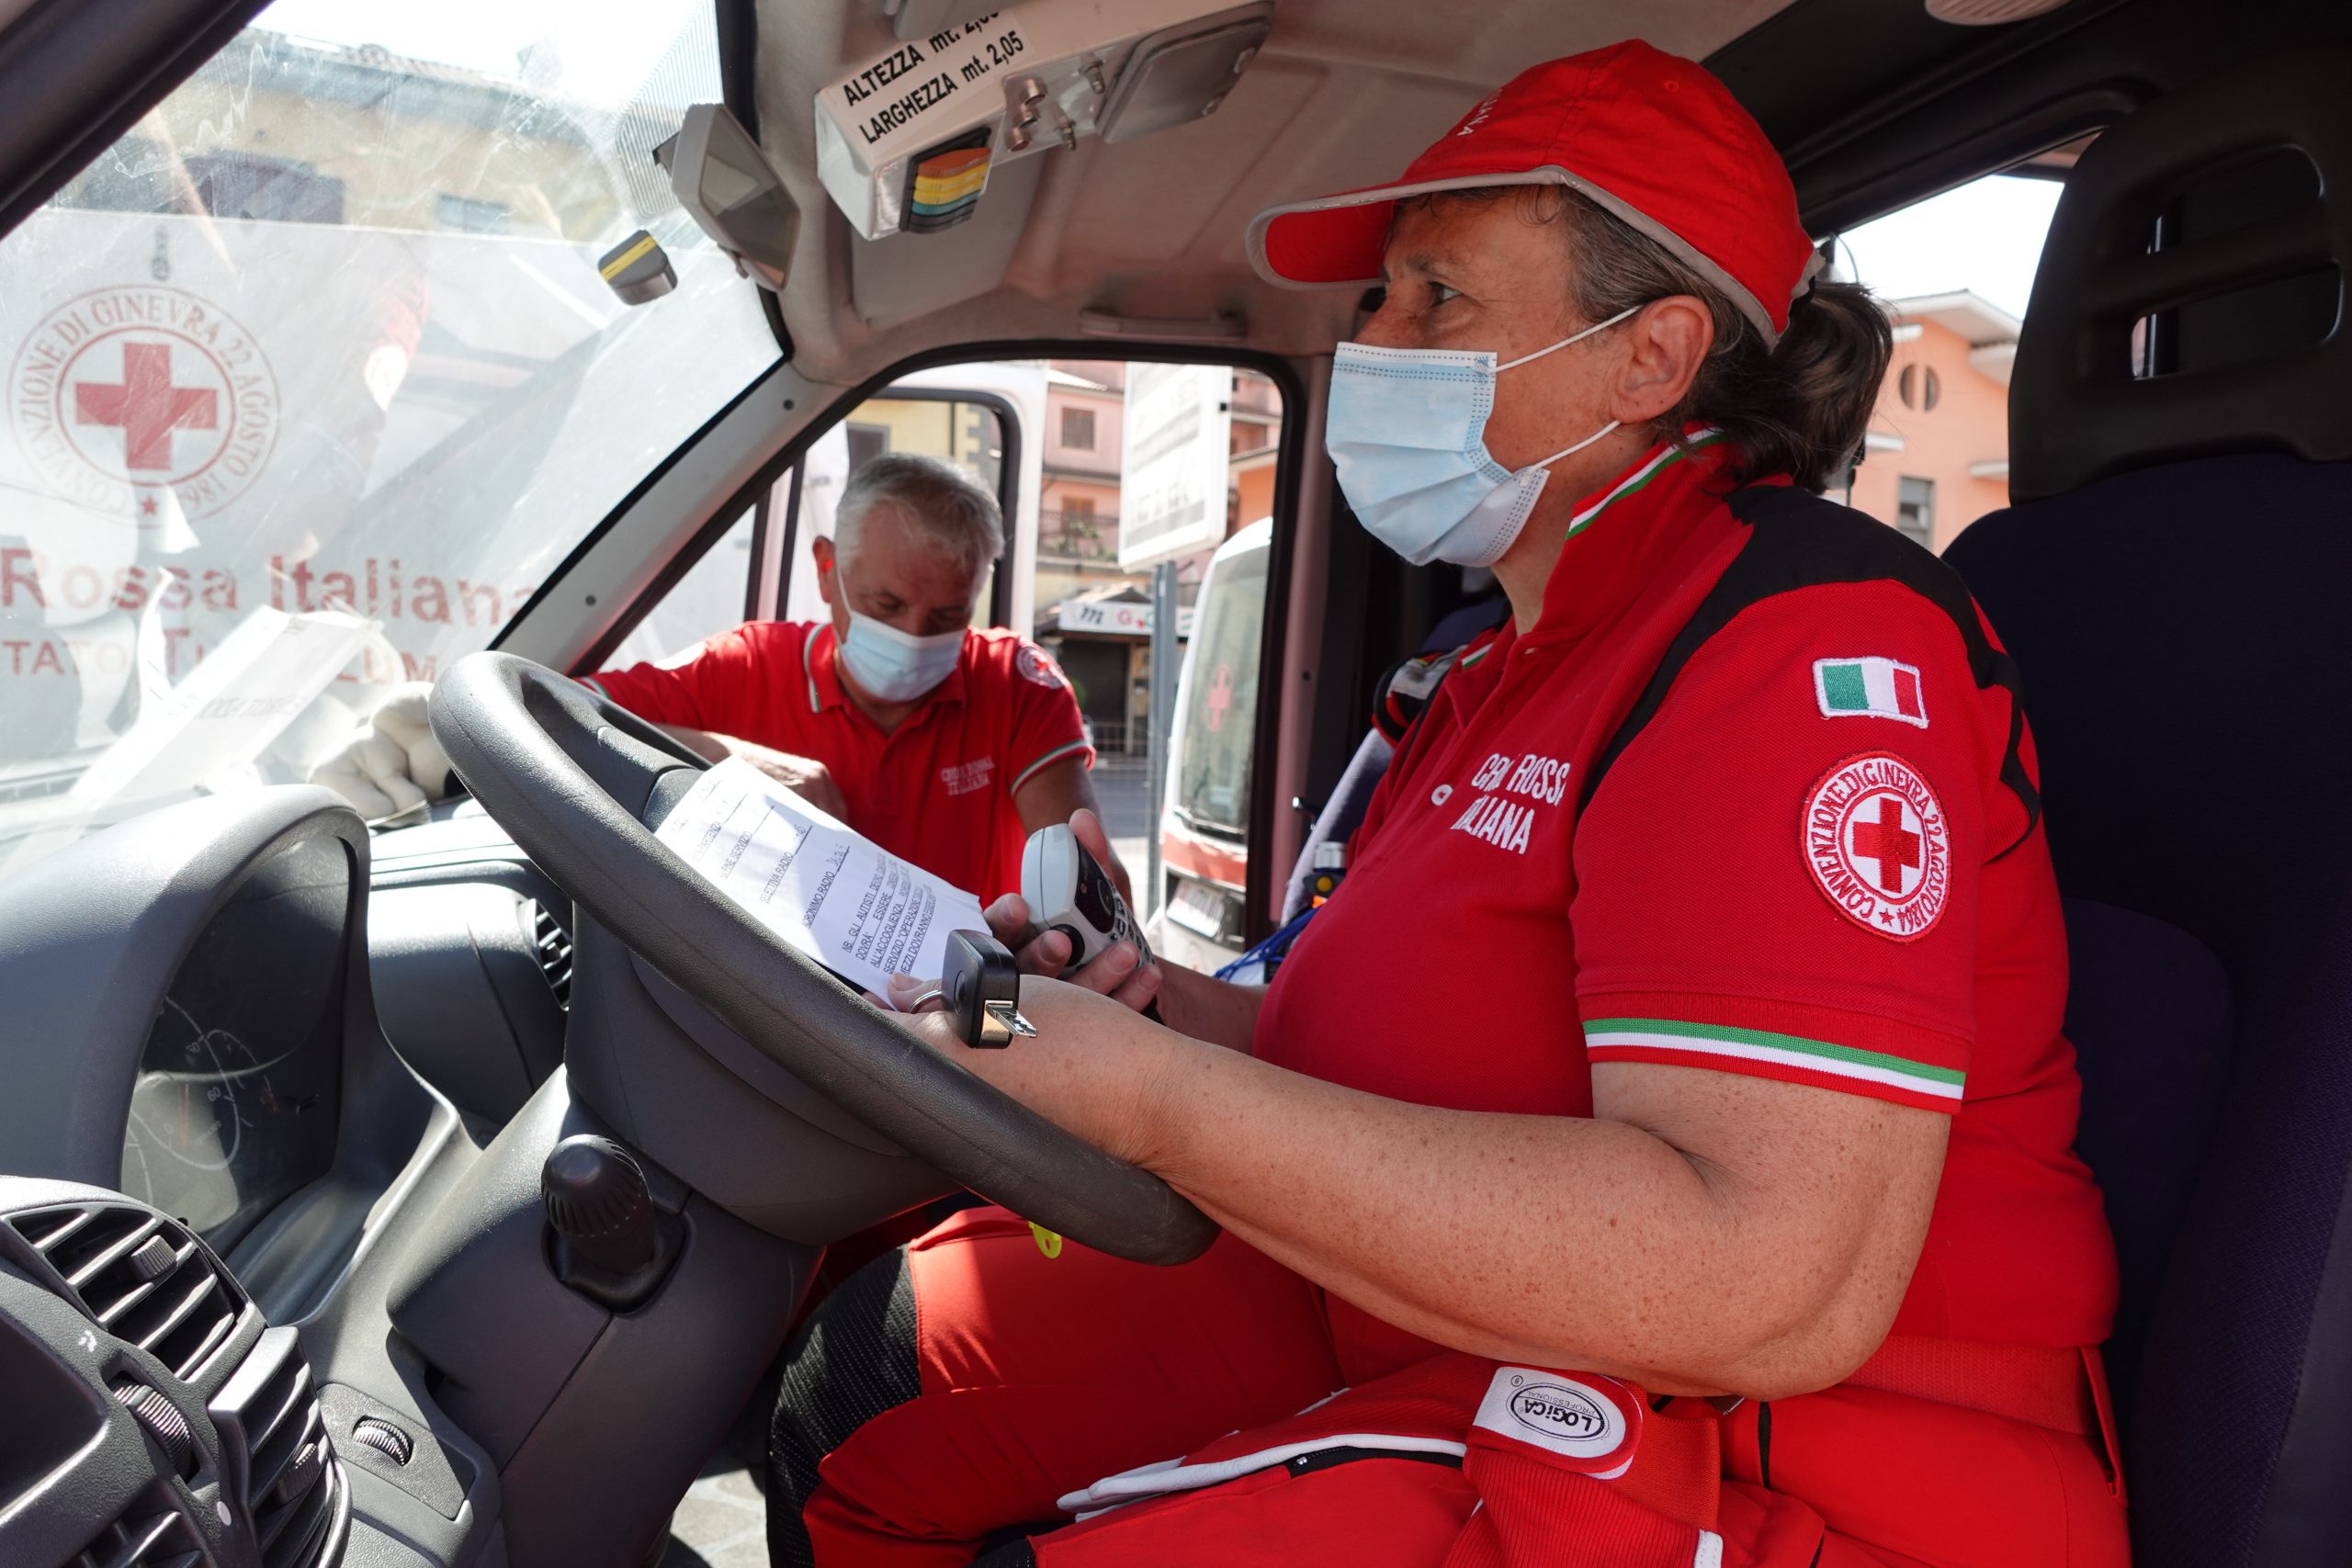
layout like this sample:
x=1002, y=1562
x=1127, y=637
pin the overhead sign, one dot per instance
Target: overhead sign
x=1174, y=460
x=1116, y=618
x=1112, y=616
x=907, y=141
x=925, y=100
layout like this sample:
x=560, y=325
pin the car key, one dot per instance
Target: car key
x=983, y=986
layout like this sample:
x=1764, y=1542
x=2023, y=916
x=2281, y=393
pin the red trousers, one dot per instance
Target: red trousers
x=1041, y=1378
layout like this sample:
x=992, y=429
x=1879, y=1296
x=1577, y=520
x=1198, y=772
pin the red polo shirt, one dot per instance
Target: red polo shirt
x=1805, y=866
x=939, y=789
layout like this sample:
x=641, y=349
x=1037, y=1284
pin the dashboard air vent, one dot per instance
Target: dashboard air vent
x=143, y=1279
x=269, y=1420
x=151, y=1534
x=554, y=950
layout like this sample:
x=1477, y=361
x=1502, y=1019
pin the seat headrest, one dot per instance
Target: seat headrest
x=2079, y=409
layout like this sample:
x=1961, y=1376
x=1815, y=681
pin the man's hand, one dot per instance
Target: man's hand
x=394, y=764
x=1114, y=972
x=805, y=776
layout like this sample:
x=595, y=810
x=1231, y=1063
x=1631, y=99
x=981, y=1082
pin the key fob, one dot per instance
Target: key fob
x=1068, y=890
x=982, y=986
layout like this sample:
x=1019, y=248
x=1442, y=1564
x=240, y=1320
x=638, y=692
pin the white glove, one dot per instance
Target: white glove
x=393, y=765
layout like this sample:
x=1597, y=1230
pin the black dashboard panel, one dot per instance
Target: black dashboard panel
x=189, y=1019
x=407, y=1276
x=238, y=1088
x=236, y=914
x=171, y=1424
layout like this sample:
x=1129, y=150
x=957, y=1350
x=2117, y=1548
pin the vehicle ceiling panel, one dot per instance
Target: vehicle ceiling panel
x=1345, y=94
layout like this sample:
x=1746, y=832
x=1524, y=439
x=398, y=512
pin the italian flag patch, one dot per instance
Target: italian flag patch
x=1870, y=688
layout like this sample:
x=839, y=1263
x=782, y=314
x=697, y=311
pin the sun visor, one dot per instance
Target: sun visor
x=908, y=143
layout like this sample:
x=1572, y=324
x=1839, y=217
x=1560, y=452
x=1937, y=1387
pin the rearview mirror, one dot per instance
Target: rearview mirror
x=727, y=185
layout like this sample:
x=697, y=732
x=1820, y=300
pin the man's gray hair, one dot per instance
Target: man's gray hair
x=944, y=504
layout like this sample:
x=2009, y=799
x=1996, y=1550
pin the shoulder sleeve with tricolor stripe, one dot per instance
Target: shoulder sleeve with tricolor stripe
x=1779, y=860
x=1045, y=726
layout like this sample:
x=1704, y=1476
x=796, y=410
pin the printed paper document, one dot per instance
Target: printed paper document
x=851, y=906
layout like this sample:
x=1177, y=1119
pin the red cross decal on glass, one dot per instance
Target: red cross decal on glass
x=1888, y=842
x=146, y=406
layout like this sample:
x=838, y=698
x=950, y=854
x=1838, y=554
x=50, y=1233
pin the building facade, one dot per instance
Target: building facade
x=1095, y=617
x=237, y=141
x=1936, y=456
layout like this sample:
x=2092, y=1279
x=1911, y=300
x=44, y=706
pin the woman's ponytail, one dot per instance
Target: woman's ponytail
x=1801, y=409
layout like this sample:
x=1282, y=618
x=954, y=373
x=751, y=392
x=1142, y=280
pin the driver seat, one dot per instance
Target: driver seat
x=2185, y=642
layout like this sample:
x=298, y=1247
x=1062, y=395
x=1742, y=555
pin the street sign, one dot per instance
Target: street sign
x=1113, y=616
x=1174, y=459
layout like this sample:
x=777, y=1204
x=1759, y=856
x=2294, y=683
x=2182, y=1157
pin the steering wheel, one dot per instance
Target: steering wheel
x=581, y=783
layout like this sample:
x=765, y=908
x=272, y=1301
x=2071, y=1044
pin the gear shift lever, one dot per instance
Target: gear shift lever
x=611, y=1244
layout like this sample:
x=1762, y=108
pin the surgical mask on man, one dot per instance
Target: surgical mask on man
x=892, y=665
x=1407, y=432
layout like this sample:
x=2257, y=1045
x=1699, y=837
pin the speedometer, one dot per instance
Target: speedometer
x=235, y=1103
x=189, y=1121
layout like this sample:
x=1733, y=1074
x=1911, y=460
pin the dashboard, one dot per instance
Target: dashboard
x=267, y=1294
x=190, y=1023
x=276, y=1102
x=237, y=1094
x=204, y=1136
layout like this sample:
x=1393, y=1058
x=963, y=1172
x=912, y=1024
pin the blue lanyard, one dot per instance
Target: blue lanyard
x=1270, y=951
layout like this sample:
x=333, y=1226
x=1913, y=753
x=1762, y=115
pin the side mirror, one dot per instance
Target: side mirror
x=727, y=185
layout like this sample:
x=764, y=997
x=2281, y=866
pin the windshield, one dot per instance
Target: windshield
x=312, y=382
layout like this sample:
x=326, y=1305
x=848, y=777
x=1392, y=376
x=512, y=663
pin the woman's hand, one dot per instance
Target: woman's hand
x=1093, y=1068
x=1114, y=973
x=1190, y=1002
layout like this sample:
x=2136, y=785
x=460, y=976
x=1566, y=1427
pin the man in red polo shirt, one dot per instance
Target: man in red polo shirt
x=943, y=744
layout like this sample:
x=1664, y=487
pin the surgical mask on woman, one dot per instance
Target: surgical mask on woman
x=892, y=665
x=1407, y=432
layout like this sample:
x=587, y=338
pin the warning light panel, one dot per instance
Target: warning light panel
x=943, y=183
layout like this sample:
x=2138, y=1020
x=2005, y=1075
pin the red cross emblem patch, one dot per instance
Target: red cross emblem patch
x=128, y=390
x=1220, y=697
x=1033, y=664
x=1880, y=845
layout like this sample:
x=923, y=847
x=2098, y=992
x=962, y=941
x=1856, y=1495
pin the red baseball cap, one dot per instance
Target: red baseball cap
x=1646, y=135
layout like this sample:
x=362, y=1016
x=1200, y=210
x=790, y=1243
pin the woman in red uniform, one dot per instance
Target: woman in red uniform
x=1659, y=1151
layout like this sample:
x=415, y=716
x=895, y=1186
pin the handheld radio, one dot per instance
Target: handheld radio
x=1068, y=891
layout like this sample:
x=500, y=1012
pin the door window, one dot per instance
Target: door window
x=1914, y=509
x=1088, y=452
x=1955, y=273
